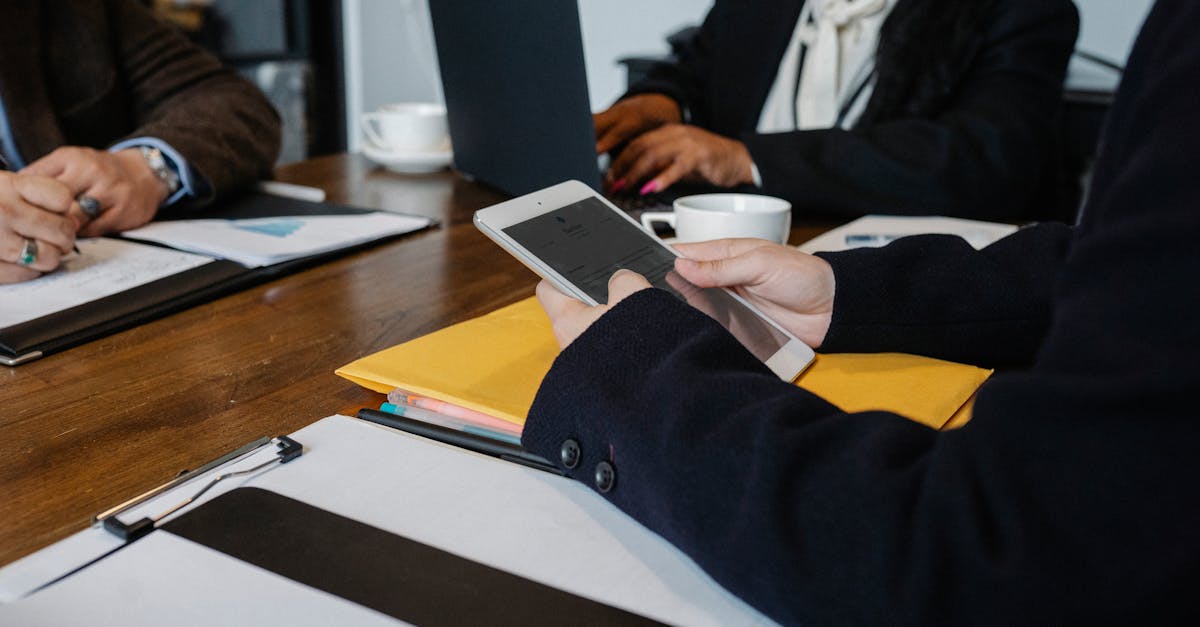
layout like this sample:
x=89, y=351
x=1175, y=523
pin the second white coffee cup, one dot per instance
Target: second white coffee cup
x=407, y=127
x=706, y=217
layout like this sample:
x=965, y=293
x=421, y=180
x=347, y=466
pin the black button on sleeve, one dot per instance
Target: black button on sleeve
x=570, y=454
x=606, y=477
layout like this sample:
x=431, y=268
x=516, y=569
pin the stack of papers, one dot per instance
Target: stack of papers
x=260, y=242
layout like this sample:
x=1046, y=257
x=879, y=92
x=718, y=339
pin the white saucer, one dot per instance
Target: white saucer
x=409, y=162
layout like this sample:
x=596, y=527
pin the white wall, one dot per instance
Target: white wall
x=619, y=28
x=390, y=55
x=1108, y=27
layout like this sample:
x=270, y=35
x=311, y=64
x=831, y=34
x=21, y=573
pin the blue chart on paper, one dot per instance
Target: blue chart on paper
x=280, y=228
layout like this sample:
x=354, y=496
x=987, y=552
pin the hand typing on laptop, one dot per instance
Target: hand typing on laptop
x=654, y=150
x=631, y=117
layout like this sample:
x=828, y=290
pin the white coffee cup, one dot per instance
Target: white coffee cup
x=407, y=127
x=715, y=216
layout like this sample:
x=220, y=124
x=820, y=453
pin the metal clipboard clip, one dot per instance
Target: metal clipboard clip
x=287, y=450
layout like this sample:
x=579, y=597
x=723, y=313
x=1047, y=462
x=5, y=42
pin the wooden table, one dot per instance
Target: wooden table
x=85, y=429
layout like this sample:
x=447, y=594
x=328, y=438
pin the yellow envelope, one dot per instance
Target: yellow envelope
x=494, y=364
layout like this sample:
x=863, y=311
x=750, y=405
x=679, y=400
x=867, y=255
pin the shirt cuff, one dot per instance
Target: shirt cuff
x=188, y=179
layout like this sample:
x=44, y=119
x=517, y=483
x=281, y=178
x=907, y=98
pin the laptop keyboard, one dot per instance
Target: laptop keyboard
x=636, y=205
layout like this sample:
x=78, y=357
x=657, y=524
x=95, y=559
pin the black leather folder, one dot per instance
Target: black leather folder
x=27, y=341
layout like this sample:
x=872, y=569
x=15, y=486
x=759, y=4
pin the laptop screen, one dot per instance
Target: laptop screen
x=516, y=92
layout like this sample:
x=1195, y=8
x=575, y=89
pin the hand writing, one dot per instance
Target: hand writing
x=36, y=209
x=127, y=189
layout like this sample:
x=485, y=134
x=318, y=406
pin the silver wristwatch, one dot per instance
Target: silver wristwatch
x=158, y=164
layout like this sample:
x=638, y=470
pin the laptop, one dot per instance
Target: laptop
x=516, y=92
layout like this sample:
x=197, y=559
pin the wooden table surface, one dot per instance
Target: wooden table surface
x=85, y=429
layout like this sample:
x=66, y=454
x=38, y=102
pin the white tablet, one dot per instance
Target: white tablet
x=576, y=240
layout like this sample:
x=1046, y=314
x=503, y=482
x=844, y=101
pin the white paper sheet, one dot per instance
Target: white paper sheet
x=265, y=241
x=104, y=267
x=510, y=517
x=875, y=231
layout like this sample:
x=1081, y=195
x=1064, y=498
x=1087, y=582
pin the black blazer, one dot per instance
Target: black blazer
x=94, y=72
x=978, y=142
x=1070, y=498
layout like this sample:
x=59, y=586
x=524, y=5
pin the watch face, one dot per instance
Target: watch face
x=162, y=169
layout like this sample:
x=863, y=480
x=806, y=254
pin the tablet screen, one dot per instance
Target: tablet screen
x=586, y=242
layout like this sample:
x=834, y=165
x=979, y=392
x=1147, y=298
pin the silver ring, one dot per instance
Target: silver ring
x=90, y=206
x=28, y=253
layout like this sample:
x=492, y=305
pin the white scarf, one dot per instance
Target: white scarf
x=840, y=37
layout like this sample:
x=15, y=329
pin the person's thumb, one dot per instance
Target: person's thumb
x=727, y=272
x=623, y=283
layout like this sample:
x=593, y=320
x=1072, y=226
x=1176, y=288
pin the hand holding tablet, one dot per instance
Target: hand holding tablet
x=576, y=240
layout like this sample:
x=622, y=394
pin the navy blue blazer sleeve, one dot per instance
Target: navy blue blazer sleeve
x=1068, y=499
x=991, y=308
x=983, y=154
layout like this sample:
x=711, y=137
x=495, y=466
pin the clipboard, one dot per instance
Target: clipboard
x=345, y=533
x=27, y=341
x=383, y=571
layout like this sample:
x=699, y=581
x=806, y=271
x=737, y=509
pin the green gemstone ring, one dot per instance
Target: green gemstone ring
x=28, y=253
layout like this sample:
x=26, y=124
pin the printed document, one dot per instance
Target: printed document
x=259, y=242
